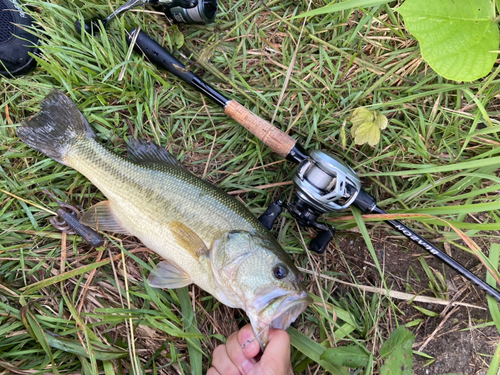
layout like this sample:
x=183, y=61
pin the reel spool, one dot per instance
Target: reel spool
x=325, y=183
x=15, y=42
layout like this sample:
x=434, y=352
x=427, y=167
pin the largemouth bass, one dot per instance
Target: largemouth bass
x=205, y=236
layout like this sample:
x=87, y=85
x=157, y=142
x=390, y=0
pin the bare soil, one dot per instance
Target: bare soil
x=451, y=338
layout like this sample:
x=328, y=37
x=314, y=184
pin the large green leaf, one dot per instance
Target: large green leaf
x=397, y=353
x=352, y=356
x=457, y=37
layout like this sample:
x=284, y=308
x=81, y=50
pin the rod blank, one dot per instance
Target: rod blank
x=443, y=257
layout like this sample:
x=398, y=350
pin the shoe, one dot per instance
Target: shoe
x=15, y=43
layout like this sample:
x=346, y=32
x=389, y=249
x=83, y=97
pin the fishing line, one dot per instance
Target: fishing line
x=256, y=337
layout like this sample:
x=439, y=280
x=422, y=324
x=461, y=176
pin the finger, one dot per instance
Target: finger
x=246, y=337
x=280, y=336
x=222, y=362
x=243, y=361
x=276, y=357
x=213, y=371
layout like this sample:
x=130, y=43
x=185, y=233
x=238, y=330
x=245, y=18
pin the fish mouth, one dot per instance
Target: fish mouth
x=279, y=313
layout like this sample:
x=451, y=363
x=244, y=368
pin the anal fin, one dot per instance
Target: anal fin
x=101, y=217
x=168, y=275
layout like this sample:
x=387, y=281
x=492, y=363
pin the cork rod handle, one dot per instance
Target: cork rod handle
x=275, y=139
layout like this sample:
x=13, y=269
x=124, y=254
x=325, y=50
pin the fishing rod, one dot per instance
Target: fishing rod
x=324, y=183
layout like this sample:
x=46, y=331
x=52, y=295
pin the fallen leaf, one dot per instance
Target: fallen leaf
x=359, y=117
x=366, y=126
x=380, y=121
x=367, y=133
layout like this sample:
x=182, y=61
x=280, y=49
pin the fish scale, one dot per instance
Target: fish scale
x=169, y=189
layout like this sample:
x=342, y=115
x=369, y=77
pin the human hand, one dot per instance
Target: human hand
x=231, y=359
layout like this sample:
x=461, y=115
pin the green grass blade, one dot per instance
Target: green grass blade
x=492, y=303
x=63, y=276
x=495, y=362
x=430, y=169
x=314, y=351
x=33, y=326
x=344, y=5
x=194, y=344
x=493, y=306
x=101, y=352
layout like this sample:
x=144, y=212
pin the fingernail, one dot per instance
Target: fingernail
x=251, y=346
x=248, y=365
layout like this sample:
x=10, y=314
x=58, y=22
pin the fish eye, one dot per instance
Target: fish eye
x=280, y=271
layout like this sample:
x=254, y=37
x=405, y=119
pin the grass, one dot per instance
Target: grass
x=66, y=308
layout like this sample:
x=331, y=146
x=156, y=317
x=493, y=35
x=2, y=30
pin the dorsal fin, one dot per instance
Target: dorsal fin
x=144, y=152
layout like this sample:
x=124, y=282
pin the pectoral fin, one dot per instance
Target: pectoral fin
x=188, y=239
x=168, y=275
x=101, y=217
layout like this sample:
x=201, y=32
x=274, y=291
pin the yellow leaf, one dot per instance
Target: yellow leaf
x=380, y=121
x=368, y=132
x=359, y=117
x=366, y=126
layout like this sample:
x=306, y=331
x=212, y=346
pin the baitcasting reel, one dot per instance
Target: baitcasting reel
x=180, y=11
x=324, y=184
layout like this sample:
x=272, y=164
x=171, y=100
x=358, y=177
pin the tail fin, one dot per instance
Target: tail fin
x=58, y=125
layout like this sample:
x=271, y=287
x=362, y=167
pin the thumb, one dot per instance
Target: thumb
x=276, y=357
